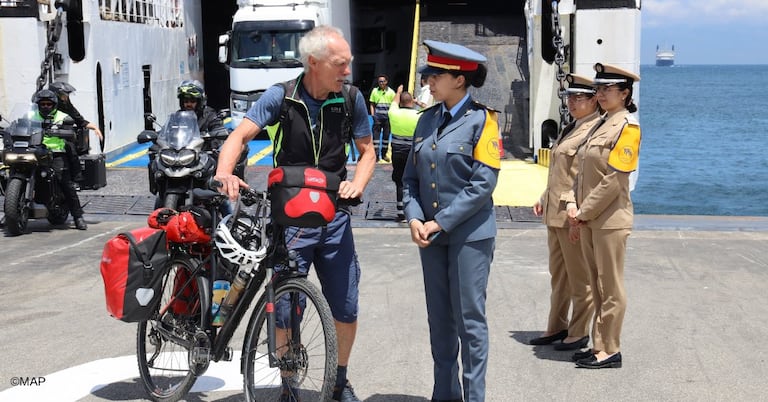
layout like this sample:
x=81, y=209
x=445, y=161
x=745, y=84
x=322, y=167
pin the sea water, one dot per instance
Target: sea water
x=704, y=144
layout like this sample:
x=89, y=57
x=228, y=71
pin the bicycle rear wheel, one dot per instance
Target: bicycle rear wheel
x=165, y=342
x=307, y=354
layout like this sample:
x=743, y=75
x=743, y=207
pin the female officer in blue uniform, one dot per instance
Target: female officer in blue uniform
x=449, y=178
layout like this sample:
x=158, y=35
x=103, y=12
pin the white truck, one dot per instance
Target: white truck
x=263, y=46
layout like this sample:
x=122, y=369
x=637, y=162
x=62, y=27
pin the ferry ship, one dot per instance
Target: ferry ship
x=126, y=57
x=665, y=57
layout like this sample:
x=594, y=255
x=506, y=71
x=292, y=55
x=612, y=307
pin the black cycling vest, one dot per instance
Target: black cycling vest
x=296, y=144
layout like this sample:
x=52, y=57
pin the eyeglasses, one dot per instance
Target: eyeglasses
x=605, y=88
x=382, y=82
x=45, y=104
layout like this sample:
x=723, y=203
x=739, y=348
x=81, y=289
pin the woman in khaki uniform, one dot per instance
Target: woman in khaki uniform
x=570, y=280
x=604, y=210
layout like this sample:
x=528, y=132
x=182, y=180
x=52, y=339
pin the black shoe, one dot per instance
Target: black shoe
x=592, y=362
x=80, y=223
x=345, y=393
x=546, y=340
x=582, y=355
x=578, y=344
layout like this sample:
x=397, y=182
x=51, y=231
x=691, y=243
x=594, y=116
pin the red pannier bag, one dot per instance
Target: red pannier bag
x=190, y=226
x=132, y=267
x=302, y=196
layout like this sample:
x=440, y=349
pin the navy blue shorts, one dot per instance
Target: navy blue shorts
x=331, y=249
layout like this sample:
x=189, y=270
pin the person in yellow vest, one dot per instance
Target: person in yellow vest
x=603, y=210
x=47, y=112
x=403, y=117
x=380, y=99
x=569, y=276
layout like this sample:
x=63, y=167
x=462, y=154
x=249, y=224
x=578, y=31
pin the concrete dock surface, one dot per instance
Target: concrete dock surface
x=693, y=330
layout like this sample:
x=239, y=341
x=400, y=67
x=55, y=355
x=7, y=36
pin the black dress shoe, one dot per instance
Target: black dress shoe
x=80, y=223
x=577, y=344
x=582, y=355
x=546, y=340
x=592, y=362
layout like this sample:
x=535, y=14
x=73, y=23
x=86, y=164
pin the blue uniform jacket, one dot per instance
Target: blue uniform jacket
x=444, y=182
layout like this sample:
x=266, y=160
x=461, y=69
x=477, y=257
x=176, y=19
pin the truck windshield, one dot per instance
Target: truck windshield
x=266, y=48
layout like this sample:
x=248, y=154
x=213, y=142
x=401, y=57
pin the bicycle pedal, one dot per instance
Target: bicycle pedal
x=227, y=354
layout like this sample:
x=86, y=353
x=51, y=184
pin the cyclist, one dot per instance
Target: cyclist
x=312, y=122
x=47, y=106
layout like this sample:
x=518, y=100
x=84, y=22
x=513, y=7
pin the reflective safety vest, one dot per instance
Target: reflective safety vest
x=53, y=143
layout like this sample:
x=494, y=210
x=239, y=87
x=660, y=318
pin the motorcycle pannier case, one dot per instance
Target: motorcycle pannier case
x=132, y=267
x=302, y=196
x=94, y=170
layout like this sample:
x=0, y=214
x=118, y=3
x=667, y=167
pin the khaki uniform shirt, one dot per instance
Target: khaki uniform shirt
x=563, y=167
x=602, y=193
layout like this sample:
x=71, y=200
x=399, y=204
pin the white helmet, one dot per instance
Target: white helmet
x=232, y=250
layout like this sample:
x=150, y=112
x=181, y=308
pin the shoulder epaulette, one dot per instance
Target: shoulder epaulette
x=480, y=105
x=428, y=108
x=631, y=119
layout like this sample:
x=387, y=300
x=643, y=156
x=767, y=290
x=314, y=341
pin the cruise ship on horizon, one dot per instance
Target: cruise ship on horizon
x=665, y=57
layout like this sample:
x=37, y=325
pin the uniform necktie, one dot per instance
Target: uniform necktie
x=446, y=119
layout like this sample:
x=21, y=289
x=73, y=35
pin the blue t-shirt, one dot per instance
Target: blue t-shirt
x=267, y=109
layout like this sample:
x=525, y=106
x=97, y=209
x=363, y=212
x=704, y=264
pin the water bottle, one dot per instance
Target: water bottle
x=234, y=293
x=220, y=290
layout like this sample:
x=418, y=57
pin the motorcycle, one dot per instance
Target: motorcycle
x=31, y=184
x=177, y=159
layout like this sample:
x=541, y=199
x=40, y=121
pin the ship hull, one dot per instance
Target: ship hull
x=664, y=63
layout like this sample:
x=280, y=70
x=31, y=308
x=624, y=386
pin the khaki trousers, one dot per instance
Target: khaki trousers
x=570, y=285
x=604, y=251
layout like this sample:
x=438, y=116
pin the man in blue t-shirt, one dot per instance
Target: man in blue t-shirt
x=311, y=98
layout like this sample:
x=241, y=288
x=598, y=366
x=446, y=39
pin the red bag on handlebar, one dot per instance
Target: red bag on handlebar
x=302, y=196
x=132, y=267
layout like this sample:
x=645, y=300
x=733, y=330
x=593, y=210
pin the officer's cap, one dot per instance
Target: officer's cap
x=443, y=57
x=579, y=84
x=608, y=74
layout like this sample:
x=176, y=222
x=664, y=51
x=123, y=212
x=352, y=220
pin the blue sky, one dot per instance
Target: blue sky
x=706, y=31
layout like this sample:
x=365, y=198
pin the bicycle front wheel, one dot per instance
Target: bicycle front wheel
x=304, y=368
x=165, y=342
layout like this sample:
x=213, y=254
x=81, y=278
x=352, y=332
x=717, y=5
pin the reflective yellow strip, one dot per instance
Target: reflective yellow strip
x=127, y=158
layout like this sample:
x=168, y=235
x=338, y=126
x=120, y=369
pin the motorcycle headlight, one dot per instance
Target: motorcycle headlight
x=184, y=157
x=12, y=157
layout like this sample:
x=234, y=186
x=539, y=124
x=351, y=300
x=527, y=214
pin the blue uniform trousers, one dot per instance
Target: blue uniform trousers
x=455, y=282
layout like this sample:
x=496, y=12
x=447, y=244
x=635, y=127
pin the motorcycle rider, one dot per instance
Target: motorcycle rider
x=192, y=97
x=62, y=90
x=47, y=106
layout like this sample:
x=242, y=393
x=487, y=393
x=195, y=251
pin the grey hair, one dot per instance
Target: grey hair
x=315, y=43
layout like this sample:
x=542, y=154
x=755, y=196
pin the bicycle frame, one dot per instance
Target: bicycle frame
x=276, y=254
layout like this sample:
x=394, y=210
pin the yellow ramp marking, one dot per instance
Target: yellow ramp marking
x=260, y=155
x=520, y=183
x=127, y=158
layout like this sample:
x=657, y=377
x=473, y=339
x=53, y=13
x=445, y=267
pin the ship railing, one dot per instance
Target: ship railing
x=164, y=13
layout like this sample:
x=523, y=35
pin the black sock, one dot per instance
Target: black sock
x=341, y=376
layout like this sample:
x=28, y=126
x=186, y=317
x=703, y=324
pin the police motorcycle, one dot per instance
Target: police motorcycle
x=31, y=185
x=178, y=161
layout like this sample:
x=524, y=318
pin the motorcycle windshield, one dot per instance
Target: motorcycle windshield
x=180, y=130
x=27, y=127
